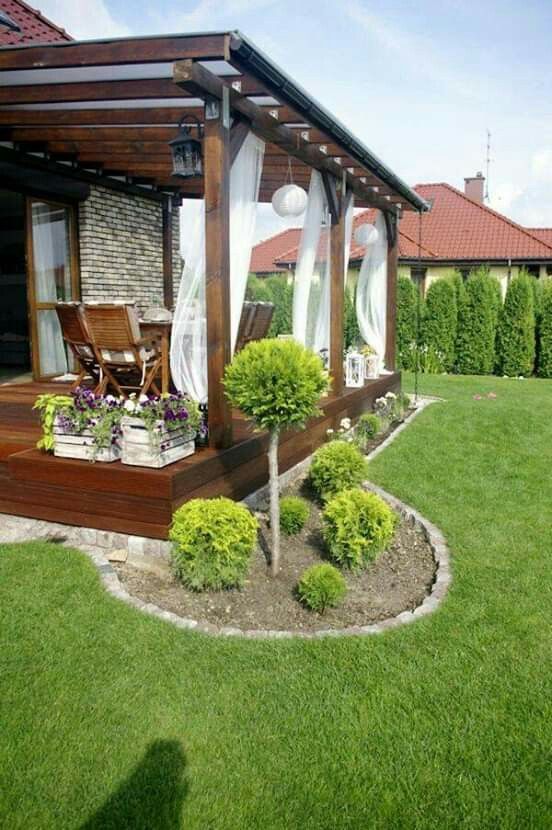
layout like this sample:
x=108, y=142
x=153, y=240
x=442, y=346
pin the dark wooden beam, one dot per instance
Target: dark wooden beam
x=216, y=154
x=168, y=284
x=330, y=189
x=117, y=51
x=337, y=291
x=238, y=134
x=198, y=81
x=392, y=223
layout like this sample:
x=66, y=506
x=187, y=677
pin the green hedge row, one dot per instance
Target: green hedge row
x=464, y=327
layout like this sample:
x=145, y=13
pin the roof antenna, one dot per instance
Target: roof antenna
x=487, y=166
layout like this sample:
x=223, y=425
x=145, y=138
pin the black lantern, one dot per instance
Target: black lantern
x=186, y=150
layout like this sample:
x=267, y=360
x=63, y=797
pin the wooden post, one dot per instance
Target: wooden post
x=392, y=222
x=337, y=298
x=168, y=295
x=216, y=156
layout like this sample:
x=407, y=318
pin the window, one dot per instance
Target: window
x=418, y=277
x=549, y=270
x=464, y=273
x=532, y=270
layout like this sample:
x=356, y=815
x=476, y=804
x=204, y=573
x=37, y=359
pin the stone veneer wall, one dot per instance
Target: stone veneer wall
x=121, y=248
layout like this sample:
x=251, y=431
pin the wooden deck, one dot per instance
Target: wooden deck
x=136, y=500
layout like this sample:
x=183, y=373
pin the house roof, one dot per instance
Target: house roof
x=35, y=28
x=264, y=254
x=457, y=229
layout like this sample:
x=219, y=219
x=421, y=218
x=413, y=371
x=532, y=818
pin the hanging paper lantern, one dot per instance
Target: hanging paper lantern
x=289, y=200
x=366, y=235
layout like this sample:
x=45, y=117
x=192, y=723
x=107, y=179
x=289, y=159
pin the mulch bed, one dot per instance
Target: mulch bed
x=397, y=581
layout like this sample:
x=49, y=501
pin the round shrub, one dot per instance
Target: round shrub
x=336, y=466
x=213, y=540
x=357, y=527
x=294, y=512
x=516, y=329
x=321, y=587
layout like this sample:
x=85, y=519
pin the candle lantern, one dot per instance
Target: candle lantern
x=354, y=369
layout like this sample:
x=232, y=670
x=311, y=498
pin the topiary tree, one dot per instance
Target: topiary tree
x=545, y=352
x=407, y=302
x=278, y=384
x=516, y=329
x=440, y=320
x=475, y=340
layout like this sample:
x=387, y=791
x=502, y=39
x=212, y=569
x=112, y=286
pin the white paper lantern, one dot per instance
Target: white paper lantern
x=289, y=200
x=366, y=235
x=354, y=369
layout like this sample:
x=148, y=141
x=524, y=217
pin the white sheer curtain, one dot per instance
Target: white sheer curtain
x=311, y=289
x=50, y=258
x=189, y=334
x=371, y=299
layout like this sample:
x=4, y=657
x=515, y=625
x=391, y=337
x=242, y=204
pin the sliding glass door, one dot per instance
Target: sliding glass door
x=52, y=277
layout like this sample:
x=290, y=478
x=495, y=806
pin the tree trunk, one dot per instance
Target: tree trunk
x=274, y=486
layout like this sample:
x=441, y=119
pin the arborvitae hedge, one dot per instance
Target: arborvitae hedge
x=351, y=331
x=538, y=291
x=475, y=341
x=545, y=355
x=440, y=319
x=407, y=300
x=516, y=329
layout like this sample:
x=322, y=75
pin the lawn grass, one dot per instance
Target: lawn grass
x=112, y=719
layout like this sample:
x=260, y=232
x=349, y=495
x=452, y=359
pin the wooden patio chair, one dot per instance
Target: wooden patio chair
x=127, y=360
x=255, y=322
x=76, y=335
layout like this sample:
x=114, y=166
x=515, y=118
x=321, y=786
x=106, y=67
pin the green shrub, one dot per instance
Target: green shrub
x=258, y=290
x=213, y=540
x=351, y=331
x=321, y=587
x=294, y=512
x=538, y=292
x=545, y=353
x=407, y=302
x=335, y=467
x=281, y=295
x=440, y=320
x=516, y=329
x=357, y=527
x=475, y=342
x=368, y=426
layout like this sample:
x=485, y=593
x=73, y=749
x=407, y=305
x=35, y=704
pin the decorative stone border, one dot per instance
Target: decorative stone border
x=94, y=544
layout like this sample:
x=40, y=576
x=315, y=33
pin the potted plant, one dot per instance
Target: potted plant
x=83, y=425
x=159, y=430
x=371, y=362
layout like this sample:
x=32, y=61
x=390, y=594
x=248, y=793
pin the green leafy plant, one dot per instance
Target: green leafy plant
x=368, y=426
x=213, y=540
x=407, y=302
x=545, y=352
x=49, y=406
x=477, y=315
x=172, y=411
x=440, y=321
x=351, y=331
x=321, y=586
x=516, y=329
x=277, y=383
x=294, y=512
x=335, y=467
x=357, y=526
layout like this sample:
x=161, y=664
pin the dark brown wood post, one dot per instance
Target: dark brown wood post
x=392, y=222
x=216, y=155
x=168, y=285
x=337, y=299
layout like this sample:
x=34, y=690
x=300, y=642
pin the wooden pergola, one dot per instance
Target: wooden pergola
x=105, y=111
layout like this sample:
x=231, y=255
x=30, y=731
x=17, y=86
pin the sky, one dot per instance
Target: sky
x=419, y=83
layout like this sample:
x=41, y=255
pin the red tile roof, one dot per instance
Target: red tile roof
x=35, y=28
x=456, y=229
x=265, y=253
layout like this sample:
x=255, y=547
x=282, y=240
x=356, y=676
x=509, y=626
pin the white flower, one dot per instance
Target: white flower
x=110, y=398
x=143, y=398
x=329, y=432
x=130, y=405
x=346, y=423
x=390, y=395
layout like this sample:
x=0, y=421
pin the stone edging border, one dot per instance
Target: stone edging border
x=431, y=602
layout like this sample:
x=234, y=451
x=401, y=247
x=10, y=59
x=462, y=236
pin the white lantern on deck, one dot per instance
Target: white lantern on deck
x=366, y=235
x=354, y=369
x=289, y=200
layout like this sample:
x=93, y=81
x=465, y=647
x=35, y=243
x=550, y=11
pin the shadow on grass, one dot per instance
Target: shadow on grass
x=151, y=798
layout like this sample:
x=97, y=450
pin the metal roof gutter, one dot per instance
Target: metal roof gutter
x=289, y=92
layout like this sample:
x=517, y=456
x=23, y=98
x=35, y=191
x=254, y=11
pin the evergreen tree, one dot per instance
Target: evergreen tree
x=440, y=320
x=475, y=340
x=516, y=329
x=545, y=352
x=281, y=294
x=407, y=301
x=351, y=331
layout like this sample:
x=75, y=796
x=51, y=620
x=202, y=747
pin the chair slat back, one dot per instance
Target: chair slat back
x=255, y=321
x=113, y=326
x=73, y=324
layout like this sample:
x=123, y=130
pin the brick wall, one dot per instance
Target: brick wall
x=121, y=247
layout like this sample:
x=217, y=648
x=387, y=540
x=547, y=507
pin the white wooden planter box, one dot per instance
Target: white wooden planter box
x=67, y=445
x=140, y=449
